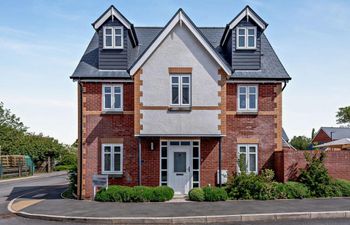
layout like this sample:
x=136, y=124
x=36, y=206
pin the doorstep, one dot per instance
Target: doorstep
x=179, y=198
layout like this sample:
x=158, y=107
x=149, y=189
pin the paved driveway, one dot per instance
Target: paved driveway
x=9, y=189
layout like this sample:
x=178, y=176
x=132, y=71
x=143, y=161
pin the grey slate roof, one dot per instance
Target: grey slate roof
x=284, y=135
x=271, y=67
x=338, y=132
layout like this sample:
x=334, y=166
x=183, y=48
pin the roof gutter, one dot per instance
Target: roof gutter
x=284, y=85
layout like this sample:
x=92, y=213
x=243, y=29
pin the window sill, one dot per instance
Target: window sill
x=180, y=108
x=113, y=48
x=111, y=112
x=247, y=112
x=113, y=175
x=246, y=49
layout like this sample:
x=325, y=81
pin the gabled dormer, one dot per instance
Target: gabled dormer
x=117, y=37
x=241, y=40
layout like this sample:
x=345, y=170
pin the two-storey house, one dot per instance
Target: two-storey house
x=177, y=105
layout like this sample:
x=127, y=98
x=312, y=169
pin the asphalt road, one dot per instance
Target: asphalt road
x=56, y=182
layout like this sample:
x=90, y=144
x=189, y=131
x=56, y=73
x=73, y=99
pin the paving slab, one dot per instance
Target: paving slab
x=69, y=207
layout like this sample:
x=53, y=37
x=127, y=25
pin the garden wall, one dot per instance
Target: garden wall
x=289, y=162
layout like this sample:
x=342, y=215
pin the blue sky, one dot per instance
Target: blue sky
x=41, y=42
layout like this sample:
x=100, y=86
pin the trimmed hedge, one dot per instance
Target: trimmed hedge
x=117, y=193
x=209, y=194
x=196, y=194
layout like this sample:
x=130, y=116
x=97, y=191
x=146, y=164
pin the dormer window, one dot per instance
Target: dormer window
x=113, y=37
x=246, y=38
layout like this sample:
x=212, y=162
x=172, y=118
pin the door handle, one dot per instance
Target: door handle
x=189, y=168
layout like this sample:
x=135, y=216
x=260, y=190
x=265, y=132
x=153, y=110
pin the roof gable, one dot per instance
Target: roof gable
x=180, y=17
x=114, y=13
x=246, y=12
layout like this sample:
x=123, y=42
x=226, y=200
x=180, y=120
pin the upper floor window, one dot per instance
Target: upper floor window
x=113, y=37
x=246, y=37
x=112, y=97
x=180, y=90
x=247, y=158
x=112, y=159
x=248, y=98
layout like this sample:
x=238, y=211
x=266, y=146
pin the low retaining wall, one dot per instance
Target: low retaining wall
x=289, y=162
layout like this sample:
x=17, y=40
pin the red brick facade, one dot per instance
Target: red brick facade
x=99, y=127
x=289, y=162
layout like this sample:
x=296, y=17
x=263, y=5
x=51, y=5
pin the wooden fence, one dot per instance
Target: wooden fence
x=15, y=166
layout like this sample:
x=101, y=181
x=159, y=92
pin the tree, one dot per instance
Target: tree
x=343, y=116
x=301, y=142
x=313, y=133
x=14, y=139
x=8, y=119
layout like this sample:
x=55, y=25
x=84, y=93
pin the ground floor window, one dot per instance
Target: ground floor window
x=247, y=156
x=112, y=158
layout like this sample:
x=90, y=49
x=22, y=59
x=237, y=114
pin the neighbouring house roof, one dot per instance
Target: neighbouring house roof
x=271, y=66
x=284, y=135
x=336, y=132
x=336, y=144
x=285, y=138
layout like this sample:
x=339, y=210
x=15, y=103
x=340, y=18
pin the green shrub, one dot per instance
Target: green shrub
x=162, y=193
x=103, y=196
x=343, y=186
x=141, y=194
x=250, y=186
x=63, y=167
x=267, y=175
x=116, y=193
x=291, y=190
x=73, y=178
x=196, y=194
x=212, y=194
x=315, y=176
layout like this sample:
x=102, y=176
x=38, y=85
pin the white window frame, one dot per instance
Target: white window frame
x=114, y=46
x=247, y=100
x=112, y=86
x=112, y=171
x=245, y=38
x=180, y=76
x=247, y=146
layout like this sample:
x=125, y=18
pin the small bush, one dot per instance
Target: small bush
x=103, y=195
x=73, y=178
x=212, y=194
x=162, y=193
x=141, y=194
x=116, y=193
x=250, y=186
x=196, y=194
x=315, y=176
x=267, y=175
x=63, y=167
x=291, y=190
x=343, y=186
